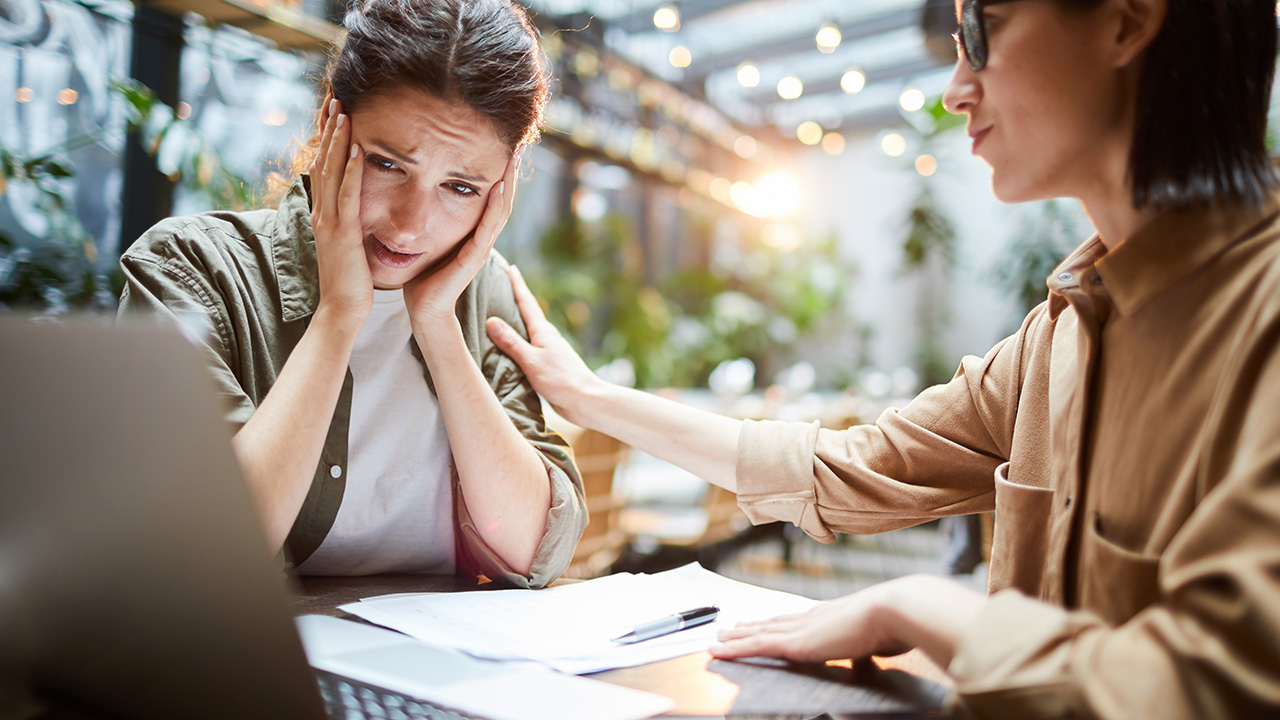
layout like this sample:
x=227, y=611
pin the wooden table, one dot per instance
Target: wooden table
x=908, y=687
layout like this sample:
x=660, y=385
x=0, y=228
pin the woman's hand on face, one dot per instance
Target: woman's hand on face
x=346, y=286
x=552, y=366
x=432, y=295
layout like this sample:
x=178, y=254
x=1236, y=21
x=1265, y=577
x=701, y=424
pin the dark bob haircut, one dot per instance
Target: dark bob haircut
x=1200, y=136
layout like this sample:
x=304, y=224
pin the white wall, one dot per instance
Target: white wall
x=864, y=196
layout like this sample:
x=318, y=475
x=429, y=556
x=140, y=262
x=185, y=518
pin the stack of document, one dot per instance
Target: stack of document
x=571, y=627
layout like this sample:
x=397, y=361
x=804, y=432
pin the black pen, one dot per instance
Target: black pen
x=669, y=624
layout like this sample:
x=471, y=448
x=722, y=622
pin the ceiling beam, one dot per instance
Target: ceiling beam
x=764, y=96
x=642, y=20
x=850, y=31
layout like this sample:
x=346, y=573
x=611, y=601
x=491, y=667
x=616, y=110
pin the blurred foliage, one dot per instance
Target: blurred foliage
x=61, y=271
x=929, y=253
x=1047, y=232
x=674, y=332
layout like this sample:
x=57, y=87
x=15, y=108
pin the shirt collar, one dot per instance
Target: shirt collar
x=1165, y=251
x=293, y=251
x=1173, y=246
x=1067, y=275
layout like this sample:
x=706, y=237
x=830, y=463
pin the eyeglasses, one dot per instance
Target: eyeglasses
x=971, y=36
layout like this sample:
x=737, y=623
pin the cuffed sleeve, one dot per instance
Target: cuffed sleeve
x=935, y=457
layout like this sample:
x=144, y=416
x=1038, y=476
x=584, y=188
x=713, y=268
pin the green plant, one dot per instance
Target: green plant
x=929, y=253
x=1046, y=233
x=674, y=332
x=61, y=270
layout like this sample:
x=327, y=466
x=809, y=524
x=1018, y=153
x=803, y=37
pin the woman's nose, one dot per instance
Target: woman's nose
x=409, y=213
x=963, y=90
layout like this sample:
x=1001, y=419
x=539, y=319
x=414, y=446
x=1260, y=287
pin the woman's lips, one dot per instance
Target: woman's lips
x=978, y=137
x=387, y=256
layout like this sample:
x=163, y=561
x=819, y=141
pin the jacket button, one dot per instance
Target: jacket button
x=335, y=472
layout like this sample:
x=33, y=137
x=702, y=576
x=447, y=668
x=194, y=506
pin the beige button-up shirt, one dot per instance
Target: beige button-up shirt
x=1128, y=438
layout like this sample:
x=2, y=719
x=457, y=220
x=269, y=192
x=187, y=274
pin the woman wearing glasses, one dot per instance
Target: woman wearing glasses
x=1127, y=435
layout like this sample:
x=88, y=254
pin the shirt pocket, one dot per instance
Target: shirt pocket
x=1021, y=540
x=1115, y=582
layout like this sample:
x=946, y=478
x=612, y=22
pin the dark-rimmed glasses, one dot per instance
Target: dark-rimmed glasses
x=971, y=36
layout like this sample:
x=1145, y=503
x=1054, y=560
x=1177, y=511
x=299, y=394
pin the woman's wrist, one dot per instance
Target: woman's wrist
x=343, y=323
x=591, y=402
x=927, y=612
x=439, y=338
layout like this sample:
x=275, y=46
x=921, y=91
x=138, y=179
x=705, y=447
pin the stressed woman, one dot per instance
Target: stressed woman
x=1127, y=435
x=378, y=427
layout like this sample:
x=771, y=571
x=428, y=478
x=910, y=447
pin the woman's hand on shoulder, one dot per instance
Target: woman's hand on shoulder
x=433, y=294
x=346, y=286
x=552, y=366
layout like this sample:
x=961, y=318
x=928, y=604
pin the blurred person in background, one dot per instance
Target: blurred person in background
x=378, y=427
x=1128, y=434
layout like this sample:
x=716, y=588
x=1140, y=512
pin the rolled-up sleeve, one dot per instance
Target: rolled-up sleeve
x=935, y=457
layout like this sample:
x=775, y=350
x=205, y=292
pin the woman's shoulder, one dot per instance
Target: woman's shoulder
x=202, y=233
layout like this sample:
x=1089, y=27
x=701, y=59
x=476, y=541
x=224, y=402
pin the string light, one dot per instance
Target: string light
x=853, y=81
x=24, y=94
x=911, y=99
x=828, y=37
x=893, y=144
x=67, y=96
x=680, y=57
x=790, y=87
x=748, y=75
x=926, y=165
x=833, y=144
x=809, y=133
x=667, y=18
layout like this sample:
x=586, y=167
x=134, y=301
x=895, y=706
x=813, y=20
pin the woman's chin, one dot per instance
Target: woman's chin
x=1010, y=192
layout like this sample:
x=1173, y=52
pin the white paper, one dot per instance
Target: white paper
x=570, y=627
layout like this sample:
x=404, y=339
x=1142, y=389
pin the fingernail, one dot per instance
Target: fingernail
x=341, y=119
x=333, y=106
x=355, y=150
x=502, y=188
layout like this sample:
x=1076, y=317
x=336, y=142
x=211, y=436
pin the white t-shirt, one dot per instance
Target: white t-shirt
x=397, y=509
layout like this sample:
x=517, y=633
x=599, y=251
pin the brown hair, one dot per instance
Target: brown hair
x=484, y=54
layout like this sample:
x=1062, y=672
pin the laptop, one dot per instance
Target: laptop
x=135, y=581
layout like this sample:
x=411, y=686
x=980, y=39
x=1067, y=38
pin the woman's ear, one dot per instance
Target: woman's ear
x=1139, y=23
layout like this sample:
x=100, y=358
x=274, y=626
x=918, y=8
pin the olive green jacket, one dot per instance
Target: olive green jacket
x=249, y=281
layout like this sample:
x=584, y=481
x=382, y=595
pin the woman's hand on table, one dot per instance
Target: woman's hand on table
x=346, y=286
x=885, y=619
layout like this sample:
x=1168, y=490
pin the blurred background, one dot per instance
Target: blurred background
x=757, y=206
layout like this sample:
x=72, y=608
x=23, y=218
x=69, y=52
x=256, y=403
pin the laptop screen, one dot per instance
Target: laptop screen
x=134, y=579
